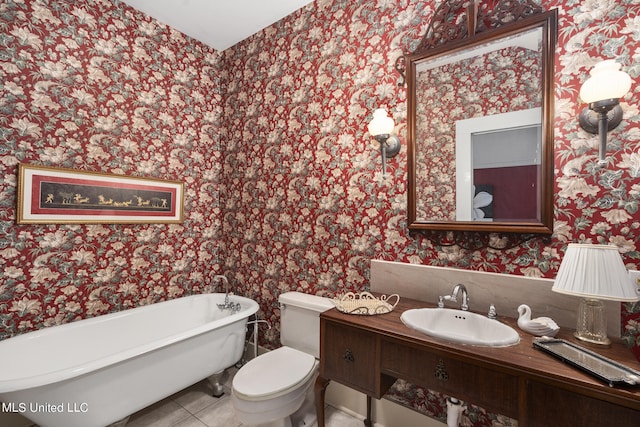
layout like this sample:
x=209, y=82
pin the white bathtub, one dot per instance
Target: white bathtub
x=94, y=372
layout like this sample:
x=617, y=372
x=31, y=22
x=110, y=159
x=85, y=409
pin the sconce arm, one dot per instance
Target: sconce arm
x=389, y=147
x=599, y=118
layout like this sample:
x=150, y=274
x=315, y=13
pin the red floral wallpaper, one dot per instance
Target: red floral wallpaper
x=97, y=86
x=305, y=205
x=283, y=185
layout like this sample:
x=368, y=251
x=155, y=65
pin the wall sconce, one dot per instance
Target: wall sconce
x=602, y=91
x=380, y=128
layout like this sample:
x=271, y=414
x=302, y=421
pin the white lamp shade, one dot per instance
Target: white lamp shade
x=381, y=124
x=606, y=82
x=594, y=271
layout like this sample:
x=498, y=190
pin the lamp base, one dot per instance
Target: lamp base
x=606, y=343
x=592, y=323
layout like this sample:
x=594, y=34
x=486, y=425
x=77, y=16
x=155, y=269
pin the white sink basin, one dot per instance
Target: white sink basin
x=460, y=326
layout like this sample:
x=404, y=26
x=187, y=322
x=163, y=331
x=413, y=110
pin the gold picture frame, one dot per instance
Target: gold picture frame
x=51, y=195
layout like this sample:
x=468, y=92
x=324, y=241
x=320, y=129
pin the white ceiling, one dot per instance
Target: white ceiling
x=218, y=23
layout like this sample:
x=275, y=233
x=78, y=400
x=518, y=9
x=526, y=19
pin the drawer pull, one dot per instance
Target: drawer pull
x=348, y=356
x=441, y=372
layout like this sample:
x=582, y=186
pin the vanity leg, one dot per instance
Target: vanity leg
x=367, y=421
x=319, y=390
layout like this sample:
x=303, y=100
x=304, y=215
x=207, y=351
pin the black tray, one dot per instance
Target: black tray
x=599, y=366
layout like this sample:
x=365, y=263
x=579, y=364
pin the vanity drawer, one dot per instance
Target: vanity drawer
x=348, y=355
x=488, y=388
x=583, y=410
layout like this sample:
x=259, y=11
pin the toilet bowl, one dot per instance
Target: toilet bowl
x=276, y=388
x=271, y=388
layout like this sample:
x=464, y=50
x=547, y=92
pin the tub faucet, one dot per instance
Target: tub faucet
x=228, y=305
x=226, y=285
x=454, y=297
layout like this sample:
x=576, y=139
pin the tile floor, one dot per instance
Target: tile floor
x=196, y=407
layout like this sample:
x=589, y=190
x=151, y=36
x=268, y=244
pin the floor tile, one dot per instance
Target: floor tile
x=196, y=407
x=165, y=413
x=197, y=397
x=336, y=418
x=220, y=414
x=192, y=421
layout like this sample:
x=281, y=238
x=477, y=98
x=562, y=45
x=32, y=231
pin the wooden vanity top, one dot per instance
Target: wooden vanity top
x=521, y=359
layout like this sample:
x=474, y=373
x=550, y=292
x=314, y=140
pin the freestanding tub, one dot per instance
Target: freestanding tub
x=94, y=372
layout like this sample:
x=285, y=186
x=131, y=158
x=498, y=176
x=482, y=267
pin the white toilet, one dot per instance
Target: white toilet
x=276, y=388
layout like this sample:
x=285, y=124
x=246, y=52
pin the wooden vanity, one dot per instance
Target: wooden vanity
x=368, y=353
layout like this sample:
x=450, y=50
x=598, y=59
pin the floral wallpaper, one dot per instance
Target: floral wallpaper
x=97, y=86
x=305, y=205
x=283, y=185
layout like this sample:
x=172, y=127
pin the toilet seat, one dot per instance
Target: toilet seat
x=273, y=374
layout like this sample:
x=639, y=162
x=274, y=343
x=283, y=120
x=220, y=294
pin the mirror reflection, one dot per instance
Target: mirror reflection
x=504, y=165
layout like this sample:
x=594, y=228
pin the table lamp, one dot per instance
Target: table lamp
x=595, y=272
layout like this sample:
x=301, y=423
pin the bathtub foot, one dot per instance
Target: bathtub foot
x=216, y=381
x=120, y=423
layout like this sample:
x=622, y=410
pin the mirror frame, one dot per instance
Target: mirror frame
x=548, y=22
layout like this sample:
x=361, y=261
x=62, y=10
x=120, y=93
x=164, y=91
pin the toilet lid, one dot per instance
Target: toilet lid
x=273, y=372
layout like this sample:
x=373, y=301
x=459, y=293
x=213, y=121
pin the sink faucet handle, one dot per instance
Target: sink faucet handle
x=493, y=314
x=460, y=288
x=443, y=298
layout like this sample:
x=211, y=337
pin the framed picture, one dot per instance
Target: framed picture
x=48, y=195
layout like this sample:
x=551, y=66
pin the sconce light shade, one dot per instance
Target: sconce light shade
x=602, y=91
x=381, y=124
x=380, y=127
x=606, y=82
x=595, y=272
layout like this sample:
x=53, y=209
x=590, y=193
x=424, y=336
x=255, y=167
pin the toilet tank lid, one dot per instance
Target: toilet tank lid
x=308, y=301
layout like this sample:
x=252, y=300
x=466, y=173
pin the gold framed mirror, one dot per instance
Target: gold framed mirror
x=480, y=119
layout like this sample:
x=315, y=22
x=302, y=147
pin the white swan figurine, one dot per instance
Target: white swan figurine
x=540, y=326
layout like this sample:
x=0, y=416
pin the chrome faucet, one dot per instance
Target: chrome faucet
x=454, y=297
x=228, y=305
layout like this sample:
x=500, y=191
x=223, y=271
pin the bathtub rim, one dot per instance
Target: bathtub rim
x=28, y=382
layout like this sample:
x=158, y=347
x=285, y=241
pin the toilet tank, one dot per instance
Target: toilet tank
x=300, y=321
